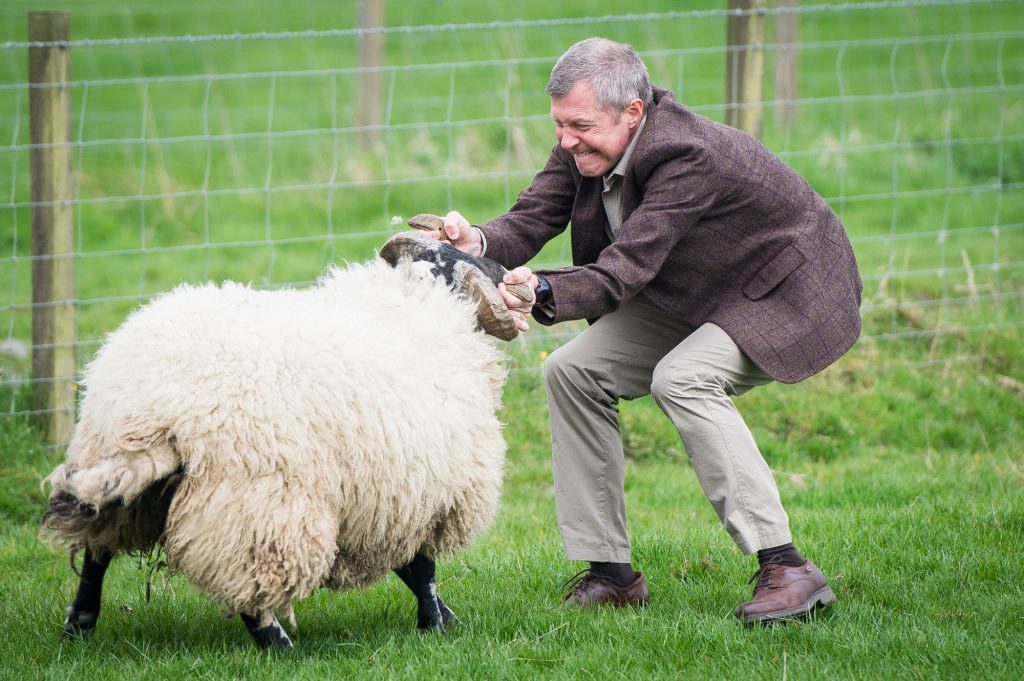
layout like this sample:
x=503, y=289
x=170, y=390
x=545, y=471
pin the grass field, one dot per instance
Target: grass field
x=901, y=467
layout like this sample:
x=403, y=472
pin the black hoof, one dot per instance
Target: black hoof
x=447, y=616
x=428, y=615
x=80, y=624
x=434, y=615
x=271, y=636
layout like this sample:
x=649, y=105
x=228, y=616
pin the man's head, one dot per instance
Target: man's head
x=599, y=91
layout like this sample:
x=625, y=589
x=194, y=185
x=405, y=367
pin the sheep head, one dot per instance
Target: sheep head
x=477, y=278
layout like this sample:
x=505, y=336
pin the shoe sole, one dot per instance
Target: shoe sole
x=568, y=603
x=822, y=598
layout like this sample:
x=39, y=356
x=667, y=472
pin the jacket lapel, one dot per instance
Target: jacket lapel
x=589, y=222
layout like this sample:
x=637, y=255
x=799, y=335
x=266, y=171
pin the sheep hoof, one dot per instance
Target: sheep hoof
x=447, y=616
x=80, y=623
x=434, y=615
x=270, y=636
x=430, y=625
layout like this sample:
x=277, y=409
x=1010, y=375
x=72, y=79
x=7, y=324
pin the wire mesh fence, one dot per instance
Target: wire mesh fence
x=241, y=154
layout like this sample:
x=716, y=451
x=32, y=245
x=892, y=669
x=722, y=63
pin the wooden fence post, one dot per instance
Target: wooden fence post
x=786, y=109
x=371, y=15
x=744, y=70
x=53, y=281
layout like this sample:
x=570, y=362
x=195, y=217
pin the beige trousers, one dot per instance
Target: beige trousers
x=635, y=351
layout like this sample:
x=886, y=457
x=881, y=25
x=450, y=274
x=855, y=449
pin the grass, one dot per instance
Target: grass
x=905, y=487
x=901, y=466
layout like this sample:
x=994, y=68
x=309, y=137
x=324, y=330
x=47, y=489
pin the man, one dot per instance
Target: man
x=707, y=267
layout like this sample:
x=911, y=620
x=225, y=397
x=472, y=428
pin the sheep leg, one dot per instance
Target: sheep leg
x=431, y=612
x=267, y=631
x=84, y=611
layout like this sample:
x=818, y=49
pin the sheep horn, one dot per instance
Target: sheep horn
x=473, y=277
x=428, y=222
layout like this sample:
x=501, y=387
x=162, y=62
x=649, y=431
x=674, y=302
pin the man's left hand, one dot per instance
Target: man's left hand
x=519, y=308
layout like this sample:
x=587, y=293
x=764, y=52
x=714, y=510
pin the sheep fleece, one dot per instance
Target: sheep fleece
x=325, y=435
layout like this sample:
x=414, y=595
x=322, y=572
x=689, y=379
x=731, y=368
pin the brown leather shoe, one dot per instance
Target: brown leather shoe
x=785, y=592
x=591, y=590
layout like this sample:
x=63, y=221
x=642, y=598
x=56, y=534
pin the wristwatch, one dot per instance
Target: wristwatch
x=542, y=294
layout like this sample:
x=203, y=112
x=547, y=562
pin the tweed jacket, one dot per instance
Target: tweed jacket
x=716, y=228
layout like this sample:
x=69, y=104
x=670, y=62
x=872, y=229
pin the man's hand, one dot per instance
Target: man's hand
x=461, y=234
x=519, y=308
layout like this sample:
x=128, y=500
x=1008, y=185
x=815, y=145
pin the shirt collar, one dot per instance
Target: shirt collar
x=620, y=167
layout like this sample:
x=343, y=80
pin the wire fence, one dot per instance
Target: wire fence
x=240, y=155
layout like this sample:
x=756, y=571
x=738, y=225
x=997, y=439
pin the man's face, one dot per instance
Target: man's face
x=597, y=139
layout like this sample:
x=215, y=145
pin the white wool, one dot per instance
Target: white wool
x=325, y=434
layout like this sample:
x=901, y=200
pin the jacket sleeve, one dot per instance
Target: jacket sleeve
x=541, y=213
x=678, y=185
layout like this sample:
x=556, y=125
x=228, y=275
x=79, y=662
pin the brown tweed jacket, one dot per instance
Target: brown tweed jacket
x=716, y=228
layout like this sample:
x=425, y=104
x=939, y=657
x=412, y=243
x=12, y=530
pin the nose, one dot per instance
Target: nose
x=566, y=139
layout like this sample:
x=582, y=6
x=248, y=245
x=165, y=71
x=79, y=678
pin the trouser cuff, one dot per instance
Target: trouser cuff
x=764, y=541
x=604, y=554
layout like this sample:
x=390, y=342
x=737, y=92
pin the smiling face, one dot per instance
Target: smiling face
x=597, y=139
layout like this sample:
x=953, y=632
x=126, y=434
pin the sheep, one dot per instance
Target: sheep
x=273, y=442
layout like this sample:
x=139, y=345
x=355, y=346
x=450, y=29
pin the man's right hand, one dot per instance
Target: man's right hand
x=461, y=234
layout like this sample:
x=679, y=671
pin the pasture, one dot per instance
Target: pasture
x=239, y=157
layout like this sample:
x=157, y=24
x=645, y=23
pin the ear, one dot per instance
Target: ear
x=634, y=113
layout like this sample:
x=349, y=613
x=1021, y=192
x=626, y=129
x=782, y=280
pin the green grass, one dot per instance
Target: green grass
x=905, y=485
x=901, y=466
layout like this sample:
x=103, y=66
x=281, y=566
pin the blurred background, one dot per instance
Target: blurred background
x=263, y=141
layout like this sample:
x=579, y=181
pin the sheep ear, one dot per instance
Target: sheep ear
x=135, y=433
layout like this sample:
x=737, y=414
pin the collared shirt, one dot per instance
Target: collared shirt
x=612, y=194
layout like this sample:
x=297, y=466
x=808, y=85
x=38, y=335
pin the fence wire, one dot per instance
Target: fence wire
x=240, y=155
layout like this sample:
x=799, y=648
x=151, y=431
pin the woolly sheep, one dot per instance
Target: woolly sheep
x=273, y=442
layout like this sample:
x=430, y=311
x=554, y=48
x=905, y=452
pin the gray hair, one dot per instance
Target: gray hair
x=614, y=70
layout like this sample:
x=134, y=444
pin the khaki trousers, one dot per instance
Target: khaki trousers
x=635, y=351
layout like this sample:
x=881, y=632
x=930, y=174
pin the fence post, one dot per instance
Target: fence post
x=371, y=15
x=53, y=282
x=744, y=66
x=786, y=24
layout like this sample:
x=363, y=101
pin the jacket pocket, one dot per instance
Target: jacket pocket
x=773, y=272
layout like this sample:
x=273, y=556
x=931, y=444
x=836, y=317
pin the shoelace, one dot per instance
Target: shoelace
x=764, y=572
x=578, y=579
